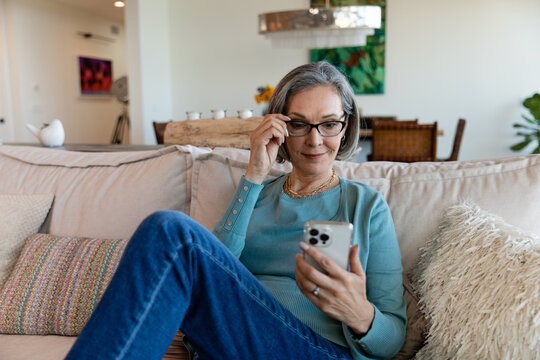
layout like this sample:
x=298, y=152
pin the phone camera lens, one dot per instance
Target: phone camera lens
x=313, y=232
x=313, y=241
x=325, y=237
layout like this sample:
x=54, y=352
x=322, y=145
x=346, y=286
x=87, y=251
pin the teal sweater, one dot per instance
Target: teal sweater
x=263, y=226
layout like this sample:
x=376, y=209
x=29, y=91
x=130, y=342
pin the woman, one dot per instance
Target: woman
x=176, y=275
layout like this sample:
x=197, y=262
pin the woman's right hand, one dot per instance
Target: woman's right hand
x=265, y=141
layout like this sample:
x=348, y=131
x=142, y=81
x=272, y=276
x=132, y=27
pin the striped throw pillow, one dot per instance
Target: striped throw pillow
x=56, y=284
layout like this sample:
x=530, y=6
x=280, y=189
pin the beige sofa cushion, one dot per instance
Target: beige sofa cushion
x=30, y=347
x=100, y=195
x=20, y=216
x=54, y=347
x=214, y=181
x=508, y=187
x=216, y=175
x=416, y=193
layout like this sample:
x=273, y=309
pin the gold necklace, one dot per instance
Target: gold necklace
x=318, y=190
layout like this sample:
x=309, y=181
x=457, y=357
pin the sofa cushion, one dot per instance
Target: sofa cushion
x=100, y=195
x=508, y=187
x=478, y=281
x=56, y=284
x=216, y=175
x=26, y=347
x=54, y=347
x=20, y=216
x=417, y=325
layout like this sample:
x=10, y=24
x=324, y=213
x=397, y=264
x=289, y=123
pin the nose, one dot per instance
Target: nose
x=314, y=138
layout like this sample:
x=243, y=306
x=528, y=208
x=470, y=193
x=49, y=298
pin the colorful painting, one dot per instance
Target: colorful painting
x=363, y=65
x=95, y=76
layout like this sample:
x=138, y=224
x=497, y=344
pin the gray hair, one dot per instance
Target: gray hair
x=306, y=77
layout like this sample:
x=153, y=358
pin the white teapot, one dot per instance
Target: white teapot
x=49, y=135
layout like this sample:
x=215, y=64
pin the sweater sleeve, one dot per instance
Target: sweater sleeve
x=232, y=227
x=384, y=289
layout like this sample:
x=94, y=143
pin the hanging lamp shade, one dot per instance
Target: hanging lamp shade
x=328, y=27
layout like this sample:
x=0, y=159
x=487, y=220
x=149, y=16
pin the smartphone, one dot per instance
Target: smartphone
x=332, y=238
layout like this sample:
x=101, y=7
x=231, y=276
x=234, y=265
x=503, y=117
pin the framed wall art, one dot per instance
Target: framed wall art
x=363, y=65
x=95, y=76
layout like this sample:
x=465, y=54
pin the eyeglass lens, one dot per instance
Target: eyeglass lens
x=328, y=128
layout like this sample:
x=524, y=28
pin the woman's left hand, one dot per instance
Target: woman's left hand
x=342, y=294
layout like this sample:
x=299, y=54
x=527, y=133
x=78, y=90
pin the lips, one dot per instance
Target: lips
x=313, y=156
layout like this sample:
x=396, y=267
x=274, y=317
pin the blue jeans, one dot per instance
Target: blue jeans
x=176, y=275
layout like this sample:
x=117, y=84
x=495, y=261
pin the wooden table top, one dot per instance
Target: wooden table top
x=226, y=132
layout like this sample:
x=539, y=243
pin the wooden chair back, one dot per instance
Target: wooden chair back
x=404, y=141
x=366, y=122
x=159, y=130
x=457, y=141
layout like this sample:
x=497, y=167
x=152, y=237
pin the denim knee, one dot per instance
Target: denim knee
x=160, y=228
x=162, y=217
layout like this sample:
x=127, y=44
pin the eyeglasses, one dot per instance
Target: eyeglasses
x=327, y=128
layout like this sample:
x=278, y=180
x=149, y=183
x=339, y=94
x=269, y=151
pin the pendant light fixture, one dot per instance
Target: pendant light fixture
x=327, y=27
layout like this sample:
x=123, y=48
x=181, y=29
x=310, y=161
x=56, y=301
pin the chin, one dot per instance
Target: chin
x=315, y=167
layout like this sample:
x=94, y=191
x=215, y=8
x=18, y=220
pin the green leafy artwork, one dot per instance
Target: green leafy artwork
x=364, y=65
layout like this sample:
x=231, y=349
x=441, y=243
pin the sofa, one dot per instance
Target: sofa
x=455, y=223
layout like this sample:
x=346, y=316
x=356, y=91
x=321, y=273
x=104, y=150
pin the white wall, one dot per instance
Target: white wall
x=445, y=59
x=148, y=46
x=218, y=58
x=473, y=59
x=42, y=49
x=6, y=113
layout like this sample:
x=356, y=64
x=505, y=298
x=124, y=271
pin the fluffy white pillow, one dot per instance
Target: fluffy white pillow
x=479, y=284
x=20, y=216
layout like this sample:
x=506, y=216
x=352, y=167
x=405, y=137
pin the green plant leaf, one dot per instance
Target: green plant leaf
x=516, y=125
x=531, y=121
x=520, y=146
x=531, y=127
x=533, y=104
x=528, y=136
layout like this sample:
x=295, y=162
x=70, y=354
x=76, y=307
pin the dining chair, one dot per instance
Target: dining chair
x=403, y=141
x=159, y=129
x=366, y=122
x=457, y=141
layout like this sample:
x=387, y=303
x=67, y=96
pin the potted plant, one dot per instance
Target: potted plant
x=530, y=130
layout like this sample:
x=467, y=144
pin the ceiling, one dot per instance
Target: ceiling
x=103, y=8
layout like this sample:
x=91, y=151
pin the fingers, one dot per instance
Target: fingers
x=307, y=281
x=308, y=277
x=265, y=141
x=273, y=127
x=330, y=266
x=341, y=294
x=354, y=261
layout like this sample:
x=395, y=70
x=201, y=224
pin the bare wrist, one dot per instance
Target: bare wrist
x=362, y=327
x=254, y=178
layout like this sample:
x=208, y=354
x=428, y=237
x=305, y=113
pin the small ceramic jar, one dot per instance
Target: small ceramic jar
x=218, y=114
x=245, y=113
x=193, y=115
